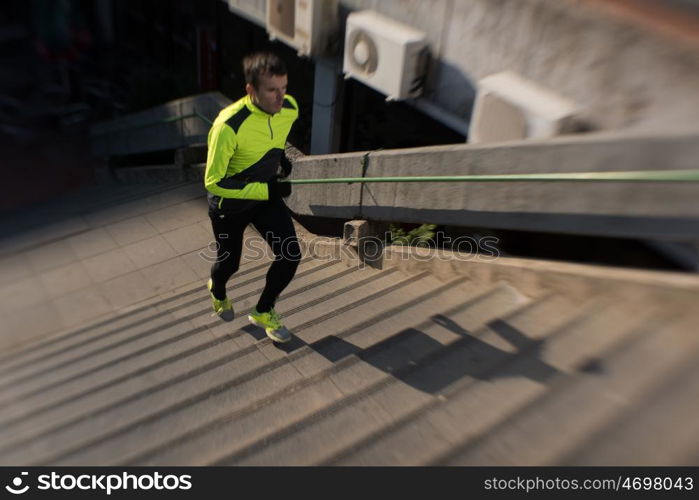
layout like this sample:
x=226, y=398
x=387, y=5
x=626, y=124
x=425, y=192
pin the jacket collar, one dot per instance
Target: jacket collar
x=254, y=109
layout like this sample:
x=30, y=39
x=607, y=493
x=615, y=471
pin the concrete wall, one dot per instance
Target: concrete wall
x=341, y=201
x=653, y=210
x=626, y=70
x=623, y=74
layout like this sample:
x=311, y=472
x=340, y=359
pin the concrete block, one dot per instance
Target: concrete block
x=368, y=239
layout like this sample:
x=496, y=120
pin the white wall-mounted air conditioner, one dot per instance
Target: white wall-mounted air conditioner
x=307, y=25
x=386, y=55
x=510, y=107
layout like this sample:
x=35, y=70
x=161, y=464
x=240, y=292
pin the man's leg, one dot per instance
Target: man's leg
x=276, y=227
x=228, y=231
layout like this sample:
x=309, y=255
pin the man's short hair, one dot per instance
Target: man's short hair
x=260, y=64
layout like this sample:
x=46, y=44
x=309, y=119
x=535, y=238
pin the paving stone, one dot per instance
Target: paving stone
x=189, y=239
x=20, y=294
x=108, y=265
x=199, y=262
x=65, y=279
x=90, y=243
x=150, y=251
x=167, y=275
x=82, y=305
x=50, y=256
x=127, y=289
x=14, y=268
x=176, y=216
x=131, y=230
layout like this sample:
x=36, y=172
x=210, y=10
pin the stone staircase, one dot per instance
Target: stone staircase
x=111, y=356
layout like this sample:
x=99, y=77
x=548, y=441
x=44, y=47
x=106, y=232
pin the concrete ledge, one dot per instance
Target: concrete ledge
x=531, y=276
x=192, y=155
x=157, y=174
x=630, y=209
x=136, y=132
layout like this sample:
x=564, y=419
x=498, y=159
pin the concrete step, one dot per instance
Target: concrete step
x=601, y=386
x=360, y=328
x=94, y=272
x=192, y=386
x=498, y=382
x=123, y=374
x=669, y=436
x=328, y=365
x=132, y=316
x=412, y=391
x=104, y=336
x=160, y=331
x=497, y=344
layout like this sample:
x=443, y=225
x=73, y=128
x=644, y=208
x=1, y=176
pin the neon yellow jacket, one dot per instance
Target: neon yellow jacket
x=245, y=146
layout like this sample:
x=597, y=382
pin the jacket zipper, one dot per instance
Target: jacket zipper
x=271, y=132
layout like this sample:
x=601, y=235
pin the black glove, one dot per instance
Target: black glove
x=278, y=189
x=286, y=166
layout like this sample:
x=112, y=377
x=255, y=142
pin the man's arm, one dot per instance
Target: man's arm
x=286, y=166
x=221, y=147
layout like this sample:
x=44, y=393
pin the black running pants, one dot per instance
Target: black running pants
x=272, y=220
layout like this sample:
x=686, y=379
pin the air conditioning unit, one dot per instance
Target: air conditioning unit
x=307, y=25
x=386, y=55
x=510, y=107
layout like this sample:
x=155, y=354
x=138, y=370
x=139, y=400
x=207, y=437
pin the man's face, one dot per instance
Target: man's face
x=269, y=94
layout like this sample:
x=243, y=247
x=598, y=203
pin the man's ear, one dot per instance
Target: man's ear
x=249, y=89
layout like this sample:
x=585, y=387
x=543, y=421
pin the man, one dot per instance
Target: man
x=245, y=150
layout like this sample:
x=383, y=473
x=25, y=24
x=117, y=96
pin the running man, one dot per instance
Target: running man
x=245, y=152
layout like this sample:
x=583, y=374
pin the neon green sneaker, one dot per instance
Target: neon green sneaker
x=223, y=308
x=271, y=323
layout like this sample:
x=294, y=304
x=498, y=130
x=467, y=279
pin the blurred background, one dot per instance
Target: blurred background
x=577, y=346
x=612, y=65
